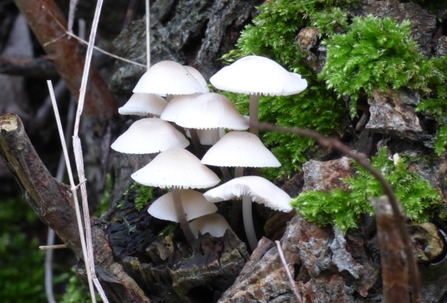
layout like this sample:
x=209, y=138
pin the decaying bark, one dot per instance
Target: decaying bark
x=52, y=203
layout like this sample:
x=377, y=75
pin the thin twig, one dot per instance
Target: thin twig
x=49, y=265
x=148, y=34
x=73, y=190
x=51, y=247
x=78, y=149
x=71, y=14
x=86, y=43
x=386, y=187
x=59, y=176
x=289, y=275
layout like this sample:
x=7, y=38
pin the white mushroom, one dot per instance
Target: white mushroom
x=240, y=149
x=214, y=224
x=149, y=135
x=168, y=78
x=176, y=106
x=177, y=168
x=196, y=74
x=256, y=75
x=251, y=188
x=211, y=110
x=194, y=204
x=141, y=104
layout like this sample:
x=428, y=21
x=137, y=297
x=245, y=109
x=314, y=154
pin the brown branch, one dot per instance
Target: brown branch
x=43, y=17
x=394, y=262
x=386, y=187
x=48, y=198
x=52, y=202
x=34, y=68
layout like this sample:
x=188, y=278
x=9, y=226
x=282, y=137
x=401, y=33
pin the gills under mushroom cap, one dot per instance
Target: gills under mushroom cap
x=194, y=204
x=260, y=190
x=141, y=104
x=214, y=224
x=240, y=149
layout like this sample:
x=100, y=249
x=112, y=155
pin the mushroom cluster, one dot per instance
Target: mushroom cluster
x=175, y=102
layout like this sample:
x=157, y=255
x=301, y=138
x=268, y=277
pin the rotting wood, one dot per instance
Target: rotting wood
x=52, y=202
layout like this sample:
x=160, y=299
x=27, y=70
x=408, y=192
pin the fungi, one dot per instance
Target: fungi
x=251, y=189
x=142, y=104
x=168, y=78
x=148, y=136
x=256, y=75
x=214, y=224
x=177, y=169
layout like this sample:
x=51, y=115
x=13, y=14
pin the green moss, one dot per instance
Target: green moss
x=375, y=53
x=144, y=195
x=436, y=103
x=77, y=291
x=343, y=208
x=273, y=35
x=21, y=262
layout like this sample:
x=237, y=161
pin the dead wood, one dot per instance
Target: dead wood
x=52, y=202
x=41, y=68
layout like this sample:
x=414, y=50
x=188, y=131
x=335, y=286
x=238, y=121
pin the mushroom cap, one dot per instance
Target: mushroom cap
x=240, y=149
x=196, y=74
x=194, y=204
x=142, y=104
x=260, y=190
x=214, y=224
x=258, y=75
x=149, y=135
x=211, y=111
x=176, y=106
x=168, y=78
x=176, y=168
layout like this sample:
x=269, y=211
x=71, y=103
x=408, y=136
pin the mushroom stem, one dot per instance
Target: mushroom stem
x=196, y=141
x=182, y=216
x=237, y=205
x=169, y=97
x=248, y=222
x=238, y=171
x=225, y=173
x=254, y=109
